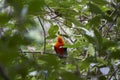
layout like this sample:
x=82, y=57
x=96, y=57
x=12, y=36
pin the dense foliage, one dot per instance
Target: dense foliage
x=28, y=31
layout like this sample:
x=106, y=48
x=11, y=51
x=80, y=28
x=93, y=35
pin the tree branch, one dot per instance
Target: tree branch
x=65, y=32
x=113, y=74
x=111, y=25
x=29, y=52
x=3, y=73
x=44, y=51
x=58, y=23
x=117, y=7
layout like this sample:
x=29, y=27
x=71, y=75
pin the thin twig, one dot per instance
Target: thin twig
x=44, y=34
x=113, y=74
x=107, y=21
x=115, y=77
x=65, y=32
x=51, y=11
x=27, y=51
x=30, y=52
x=111, y=25
x=3, y=73
x=59, y=24
x=39, y=52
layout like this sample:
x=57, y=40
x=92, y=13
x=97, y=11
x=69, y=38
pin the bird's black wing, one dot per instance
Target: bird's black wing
x=61, y=56
x=65, y=53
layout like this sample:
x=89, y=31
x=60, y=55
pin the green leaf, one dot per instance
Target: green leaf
x=76, y=22
x=118, y=0
x=51, y=61
x=95, y=21
x=91, y=50
x=102, y=78
x=94, y=9
x=90, y=39
x=21, y=68
x=53, y=31
x=17, y=4
x=84, y=65
x=76, y=45
x=108, y=44
x=115, y=54
x=101, y=61
x=107, y=18
x=9, y=47
x=69, y=76
x=68, y=23
x=35, y=6
x=84, y=1
x=98, y=38
x=100, y=2
x=6, y=57
x=4, y=18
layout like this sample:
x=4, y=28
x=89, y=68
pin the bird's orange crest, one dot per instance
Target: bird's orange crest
x=60, y=40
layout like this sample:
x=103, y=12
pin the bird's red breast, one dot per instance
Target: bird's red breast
x=60, y=51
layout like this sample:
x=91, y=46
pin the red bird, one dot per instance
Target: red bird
x=58, y=47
